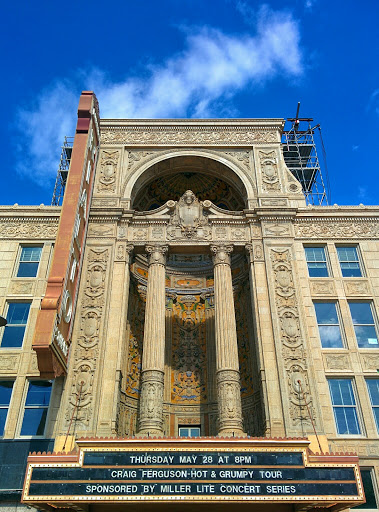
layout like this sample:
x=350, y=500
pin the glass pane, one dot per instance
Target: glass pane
x=326, y=313
x=315, y=254
x=351, y=270
x=31, y=254
x=366, y=336
x=375, y=411
x=346, y=392
x=330, y=336
x=339, y=414
x=18, y=312
x=369, y=490
x=317, y=270
x=39, y=393
x=13, y=336
x=34, y=422
x=6, y=387
x=335, y=392
x=194, y=432
x=3, y=418
x=373, y=388
x=347, y=253
x=361, y=312
x=352, y=420
x=183, y=432
x=27, y=269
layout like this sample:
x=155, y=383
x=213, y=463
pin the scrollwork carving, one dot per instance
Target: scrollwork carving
x=221, y=254
x=108, y=165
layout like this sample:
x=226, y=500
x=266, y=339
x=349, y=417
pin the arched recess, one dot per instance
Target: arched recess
x=181, y=162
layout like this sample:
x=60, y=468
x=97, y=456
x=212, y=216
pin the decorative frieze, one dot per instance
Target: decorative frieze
x=22, y=287
x=370, y=362
x=322, y=287
x=356, y=287
x=32, y=229
x=338, y=229
x=337, y=362
x=9, y=363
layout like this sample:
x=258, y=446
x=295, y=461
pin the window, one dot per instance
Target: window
x=17, y=317
x=36, y=407
x=189, y=431
x=344, y=406
x=373, y=390
x=364, y=324
x=328, y=324
x=368, y=486
x=29, y=261
x=349, y=261
x=316, y=260
x=6, y=387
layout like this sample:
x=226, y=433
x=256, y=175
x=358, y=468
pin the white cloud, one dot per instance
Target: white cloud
x=201, y=81
x=373, y=103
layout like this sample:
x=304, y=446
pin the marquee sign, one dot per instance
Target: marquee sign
x=244, y=470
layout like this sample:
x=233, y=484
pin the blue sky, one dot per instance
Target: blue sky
x=189, y=58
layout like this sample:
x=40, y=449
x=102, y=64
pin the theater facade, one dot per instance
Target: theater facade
x=185, y=331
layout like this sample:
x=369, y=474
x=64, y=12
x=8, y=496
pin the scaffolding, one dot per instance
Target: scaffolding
x=300, y=156
x=64, y=166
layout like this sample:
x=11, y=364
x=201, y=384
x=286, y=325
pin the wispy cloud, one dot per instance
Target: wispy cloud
x=373, y=103
x=200, y=81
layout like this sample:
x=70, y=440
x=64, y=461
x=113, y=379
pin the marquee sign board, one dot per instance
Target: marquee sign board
x=201, y=470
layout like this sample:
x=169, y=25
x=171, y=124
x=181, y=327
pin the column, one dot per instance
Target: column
x=227, y=365
x=152, y=378
x=268, y=367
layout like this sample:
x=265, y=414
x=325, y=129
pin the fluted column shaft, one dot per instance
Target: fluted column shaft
x=152, y=378
x=227, y=365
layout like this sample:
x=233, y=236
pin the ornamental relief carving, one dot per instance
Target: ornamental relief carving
x=320, y=229
x=108, y=166
x=357, y=287
x=291, y=339
x=29, y=229
x=277, y=229
x=325, y=287
x=189, y=218
x=188, y=136
x=22, y=288
x=9, y=363
x=101, y=230
x=86, y=354
x=370, y=362
x=269, y=168
x=337, y=362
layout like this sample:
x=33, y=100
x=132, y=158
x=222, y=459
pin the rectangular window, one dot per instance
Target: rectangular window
x=29, y=261
x=373, y=390
x=349, y=261
x=368, y=486
x=36, y=408
x=6, y=387
x=344, y=406
x=328, y=324
x=17, y=318
x=316, y=260
x=189, y=431
x=364, y=325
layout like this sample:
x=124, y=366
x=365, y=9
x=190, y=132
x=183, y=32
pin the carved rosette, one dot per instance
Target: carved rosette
x=86, y=354
x=292, y=343
x=151, y=402
x=229, y=402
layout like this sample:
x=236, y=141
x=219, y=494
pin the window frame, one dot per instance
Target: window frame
x=8, y=406
x=375, y=346
x=24, y=407
x=375, y=488
x=340, y=323
x=358, y=413
x=189, y=427
x=373, y=406
x=326, y=261
x=359, y=260
x=19, y=262
x=5, y=314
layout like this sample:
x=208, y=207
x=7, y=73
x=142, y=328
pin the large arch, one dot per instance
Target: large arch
x=208, y=163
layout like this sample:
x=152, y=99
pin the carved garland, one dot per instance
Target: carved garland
x=292, y=345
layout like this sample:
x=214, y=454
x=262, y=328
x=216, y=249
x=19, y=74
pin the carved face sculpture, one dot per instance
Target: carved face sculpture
x=189, y=197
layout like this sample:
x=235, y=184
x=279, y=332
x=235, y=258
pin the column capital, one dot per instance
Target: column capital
x=156, y=254
x=255, y=251
x=221, y=254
